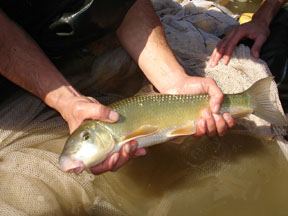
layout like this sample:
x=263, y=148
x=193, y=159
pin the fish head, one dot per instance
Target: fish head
x=87, y=146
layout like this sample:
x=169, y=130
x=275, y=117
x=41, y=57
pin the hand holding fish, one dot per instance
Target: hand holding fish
x=211, y=121
x=118, y=159
x=156, y=118
x=79, y=108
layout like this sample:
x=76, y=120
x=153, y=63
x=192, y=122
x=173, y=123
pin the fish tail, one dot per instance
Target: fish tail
x=262, y=105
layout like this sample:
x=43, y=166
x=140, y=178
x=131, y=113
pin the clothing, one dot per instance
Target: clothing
x=61, y=25
x=275, y=53
x=275, y=50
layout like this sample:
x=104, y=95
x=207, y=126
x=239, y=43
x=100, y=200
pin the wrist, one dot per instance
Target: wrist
x=264, y=22
x=167, y=78
x=267, y=12
x=60, y=97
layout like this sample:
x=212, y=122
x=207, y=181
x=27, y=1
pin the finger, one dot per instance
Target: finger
x=133, y=147
x=233, y=39
x=211, y=127
x=229, y=120
x=124, y=156
x=255, y=50
x=140, y=152
x=227, y=56
x=220, y=49
x=216, y=94
x=200, y=128
x=106, y=165
x=98, y=111
x=220, y=124
x=216, y=56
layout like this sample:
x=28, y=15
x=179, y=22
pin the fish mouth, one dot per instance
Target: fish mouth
x=71, y=165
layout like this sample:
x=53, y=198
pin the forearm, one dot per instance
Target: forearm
x=268, y=10
x=142, y=35
x=24, y=63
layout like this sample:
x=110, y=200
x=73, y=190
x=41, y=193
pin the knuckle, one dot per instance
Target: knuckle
x=101, y=111
x=77, y=108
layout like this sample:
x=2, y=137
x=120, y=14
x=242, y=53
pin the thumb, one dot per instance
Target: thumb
x=91, y=111
x=98, y=111
x=216, y=95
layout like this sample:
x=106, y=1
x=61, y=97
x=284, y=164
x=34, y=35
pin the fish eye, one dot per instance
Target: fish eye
x=86, y=136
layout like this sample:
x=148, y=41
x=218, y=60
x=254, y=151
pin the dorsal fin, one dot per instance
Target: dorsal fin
x=147, y=90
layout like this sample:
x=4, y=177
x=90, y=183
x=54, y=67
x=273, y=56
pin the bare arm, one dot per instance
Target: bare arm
x=142, y=35
x=257, y=29
x=24, y=63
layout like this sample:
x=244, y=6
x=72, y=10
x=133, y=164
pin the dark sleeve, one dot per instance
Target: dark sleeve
x=34, y=15
x=109, y=14
x=60, y=26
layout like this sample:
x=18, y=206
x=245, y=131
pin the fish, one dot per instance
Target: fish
x=151, y=118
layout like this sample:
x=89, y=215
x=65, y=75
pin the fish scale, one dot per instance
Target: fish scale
x=160, y=110
x=156, y=118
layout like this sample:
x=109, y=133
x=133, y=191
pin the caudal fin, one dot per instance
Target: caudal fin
x=262, y=105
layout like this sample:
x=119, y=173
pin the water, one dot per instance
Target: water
x=240, y=6
x=231, y=175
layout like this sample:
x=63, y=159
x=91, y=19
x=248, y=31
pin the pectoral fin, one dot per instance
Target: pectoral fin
x=186, y=130
x=144, y=130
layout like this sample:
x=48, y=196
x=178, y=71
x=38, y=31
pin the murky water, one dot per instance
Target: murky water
x=240, y=6
x=232, y=175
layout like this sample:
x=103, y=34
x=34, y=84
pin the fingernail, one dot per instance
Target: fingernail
x=113, y=116
x=141, y=152
x=115, y=159
x=216, y=108
x=127, y=148
x=227, y=118
x=216, y=117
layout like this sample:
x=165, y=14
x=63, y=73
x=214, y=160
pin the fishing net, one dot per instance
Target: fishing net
x=235, y=174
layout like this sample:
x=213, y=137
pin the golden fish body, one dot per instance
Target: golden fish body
x=156, y=118
x=163, y=117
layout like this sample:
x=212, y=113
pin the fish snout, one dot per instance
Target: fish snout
x=71, y=165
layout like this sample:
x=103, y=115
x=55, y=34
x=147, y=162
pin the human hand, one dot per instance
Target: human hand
x=118, y=159
x=256, y=30
x=79, y=108
x=211, y=121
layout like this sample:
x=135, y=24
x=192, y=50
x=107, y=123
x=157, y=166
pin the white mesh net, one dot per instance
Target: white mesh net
x=201, y=177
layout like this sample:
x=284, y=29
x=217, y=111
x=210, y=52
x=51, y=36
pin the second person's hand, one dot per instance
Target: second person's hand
x=256, y=30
